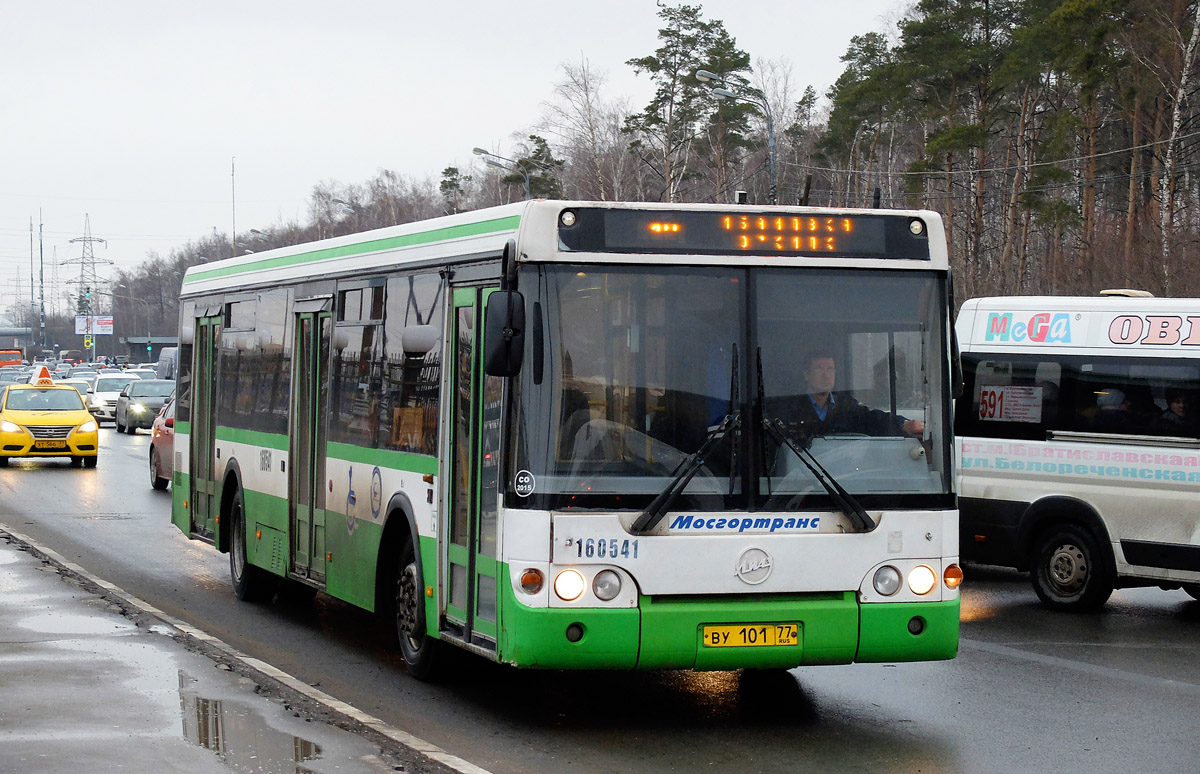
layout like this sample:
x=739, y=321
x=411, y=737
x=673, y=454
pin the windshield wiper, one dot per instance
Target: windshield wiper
x=841, y=498
x=684, y=473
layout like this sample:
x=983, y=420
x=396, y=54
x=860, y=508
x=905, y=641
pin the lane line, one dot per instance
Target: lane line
x=1108, y=673
x=413, y=743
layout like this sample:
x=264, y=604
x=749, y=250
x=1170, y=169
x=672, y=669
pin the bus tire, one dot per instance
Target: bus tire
x=250, y=583
x=406, y=616
x=1070, y=571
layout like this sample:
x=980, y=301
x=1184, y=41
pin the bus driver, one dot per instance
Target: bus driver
x=821, y=411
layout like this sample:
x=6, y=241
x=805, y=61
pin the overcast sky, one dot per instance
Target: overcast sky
x=134, y=113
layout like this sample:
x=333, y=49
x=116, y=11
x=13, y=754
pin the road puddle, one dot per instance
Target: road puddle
x=239, y=735
x=86, y=689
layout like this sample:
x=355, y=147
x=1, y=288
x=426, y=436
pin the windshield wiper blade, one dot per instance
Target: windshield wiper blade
x=684, y=473
x=845, y=501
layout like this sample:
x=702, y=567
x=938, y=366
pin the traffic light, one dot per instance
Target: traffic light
x=87, y=292
x=149, y=347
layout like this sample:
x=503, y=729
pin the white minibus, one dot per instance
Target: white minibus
x=1079, y=454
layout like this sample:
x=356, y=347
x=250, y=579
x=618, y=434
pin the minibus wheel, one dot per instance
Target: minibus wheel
x=408, y=616
x=1070, y=571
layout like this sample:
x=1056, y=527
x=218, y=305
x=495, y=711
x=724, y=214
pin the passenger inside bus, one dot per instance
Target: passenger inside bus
x=1177, y=418
x=1113, y=412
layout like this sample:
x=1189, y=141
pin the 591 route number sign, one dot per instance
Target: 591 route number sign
x=1010, y=403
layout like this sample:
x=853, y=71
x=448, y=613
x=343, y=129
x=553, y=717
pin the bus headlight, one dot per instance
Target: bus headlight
x=921, y=580
x=10, y=427
x=88, y=427
x=569, y=585
x=606, y=585
x=887, y=580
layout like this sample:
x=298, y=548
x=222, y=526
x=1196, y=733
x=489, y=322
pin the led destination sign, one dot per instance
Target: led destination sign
x=739, y=232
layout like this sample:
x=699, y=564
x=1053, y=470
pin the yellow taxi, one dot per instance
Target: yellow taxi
x=44, y=419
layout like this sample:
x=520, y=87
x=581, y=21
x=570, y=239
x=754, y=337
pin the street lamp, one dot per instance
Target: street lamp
x=754, y=97
x=493, y=160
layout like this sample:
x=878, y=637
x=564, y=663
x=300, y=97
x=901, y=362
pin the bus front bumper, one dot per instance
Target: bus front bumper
x=670, y=634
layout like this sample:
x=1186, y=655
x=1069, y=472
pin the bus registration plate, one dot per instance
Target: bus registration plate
x=750, y=635
x=49, y=444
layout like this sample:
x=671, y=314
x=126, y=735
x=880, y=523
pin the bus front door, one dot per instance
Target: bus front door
x=307, y=471
x=470, y=604
x=205, y=493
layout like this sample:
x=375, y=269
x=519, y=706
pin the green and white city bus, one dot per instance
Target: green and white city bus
x=556, y=434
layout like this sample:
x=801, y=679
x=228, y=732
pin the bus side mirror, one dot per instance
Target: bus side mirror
x=504, y=333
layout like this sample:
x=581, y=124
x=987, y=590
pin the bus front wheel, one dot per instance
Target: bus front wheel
x=1069, y=569
x=408, y=617
x=250, y=583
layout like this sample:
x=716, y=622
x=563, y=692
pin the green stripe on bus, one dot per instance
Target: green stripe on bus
x=384, y=458
x=509, y=223
x=252, y=438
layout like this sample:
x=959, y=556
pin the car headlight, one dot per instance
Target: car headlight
x=136, y=408
x=88, y=426
x=10, y=427
x=96, y=402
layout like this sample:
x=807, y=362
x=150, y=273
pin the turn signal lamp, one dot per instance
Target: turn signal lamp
x=532, y=581
x=921, y=579
x=569, y=585
x=953, y=576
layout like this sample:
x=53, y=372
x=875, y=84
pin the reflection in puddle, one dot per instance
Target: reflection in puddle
x=240, y=736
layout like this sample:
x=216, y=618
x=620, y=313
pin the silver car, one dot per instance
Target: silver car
x=139, y=403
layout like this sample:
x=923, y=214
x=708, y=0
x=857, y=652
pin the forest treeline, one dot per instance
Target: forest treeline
x=1058, y=139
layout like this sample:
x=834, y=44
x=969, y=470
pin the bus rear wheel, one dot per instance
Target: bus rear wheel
x=250, y=583
x=1069, y=571
x=407, y=617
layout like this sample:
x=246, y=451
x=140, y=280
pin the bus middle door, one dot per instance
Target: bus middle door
x=205, y=492
x=471, y=553
x=306, y=475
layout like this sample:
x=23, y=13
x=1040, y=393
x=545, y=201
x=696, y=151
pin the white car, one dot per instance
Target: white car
x=101, y=397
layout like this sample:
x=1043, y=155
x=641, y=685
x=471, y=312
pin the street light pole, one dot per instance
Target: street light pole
x=756, y=97
x=493, y=160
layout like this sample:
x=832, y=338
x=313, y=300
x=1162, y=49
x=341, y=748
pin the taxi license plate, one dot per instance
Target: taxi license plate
x=49, y=444
x=750, y=635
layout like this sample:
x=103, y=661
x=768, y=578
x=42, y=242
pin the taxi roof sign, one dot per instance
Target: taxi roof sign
x=43, y=378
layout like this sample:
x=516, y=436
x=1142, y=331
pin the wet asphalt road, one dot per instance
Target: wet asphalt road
x=1031, y=690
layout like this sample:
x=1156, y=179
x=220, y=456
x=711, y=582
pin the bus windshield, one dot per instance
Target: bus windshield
x=630, y=370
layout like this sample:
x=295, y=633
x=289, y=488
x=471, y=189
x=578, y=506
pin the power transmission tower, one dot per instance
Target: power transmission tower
x=89, y=282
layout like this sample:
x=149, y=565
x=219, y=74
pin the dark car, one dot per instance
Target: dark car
x=162, y=447
x=139, y=402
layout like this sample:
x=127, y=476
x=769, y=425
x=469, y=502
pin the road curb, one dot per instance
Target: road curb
x=267, y=672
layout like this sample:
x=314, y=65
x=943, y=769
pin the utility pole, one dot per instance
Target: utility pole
x=89, y=280
x=41, y=281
